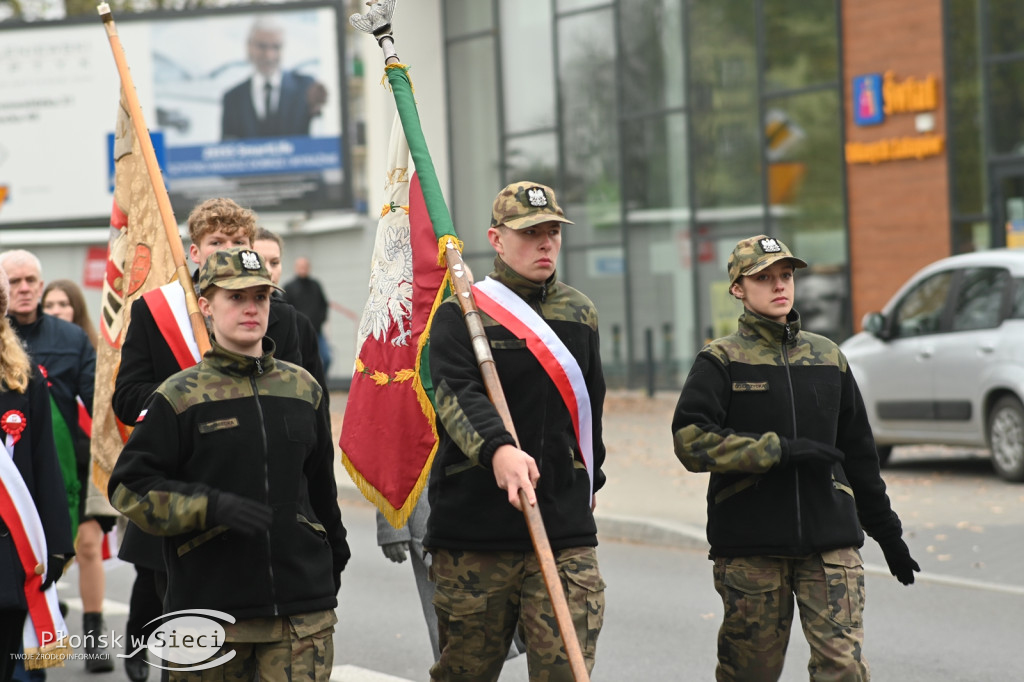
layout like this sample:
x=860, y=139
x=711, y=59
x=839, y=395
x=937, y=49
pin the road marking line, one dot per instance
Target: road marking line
x=351, y=673
x=952, y=581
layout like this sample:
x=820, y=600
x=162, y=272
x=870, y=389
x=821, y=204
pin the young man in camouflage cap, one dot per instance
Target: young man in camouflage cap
x=231, y=462
x=486, y=574
x=774, y=414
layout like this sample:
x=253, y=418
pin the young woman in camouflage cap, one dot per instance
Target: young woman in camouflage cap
x=775, y=416
x=231, y=462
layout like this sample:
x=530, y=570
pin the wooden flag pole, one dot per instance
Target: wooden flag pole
x=156, y=180
x=377, y=22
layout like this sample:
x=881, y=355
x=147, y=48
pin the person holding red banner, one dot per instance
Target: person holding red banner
x=64, y=300
x=35, y=540
x=67, y=359
x=544, y=338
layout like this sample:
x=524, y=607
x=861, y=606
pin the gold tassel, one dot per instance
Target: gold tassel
x=52, y=655
x=397, y=65
x=442, y=244
x=399, y=517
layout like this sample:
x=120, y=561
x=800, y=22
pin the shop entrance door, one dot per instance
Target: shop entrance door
x=1008, y=211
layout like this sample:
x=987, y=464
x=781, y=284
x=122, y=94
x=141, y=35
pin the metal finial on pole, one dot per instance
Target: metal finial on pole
x=377, y=22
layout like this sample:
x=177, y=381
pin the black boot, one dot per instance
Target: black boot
x=136, y=667
x=98, y=659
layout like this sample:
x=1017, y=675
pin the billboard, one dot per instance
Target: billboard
x=246, y=104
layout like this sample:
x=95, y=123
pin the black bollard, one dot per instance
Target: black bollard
x=649, y=351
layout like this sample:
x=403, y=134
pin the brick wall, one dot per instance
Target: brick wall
x=899, y=210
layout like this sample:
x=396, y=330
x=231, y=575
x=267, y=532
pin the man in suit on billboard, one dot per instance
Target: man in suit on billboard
x=272, y=102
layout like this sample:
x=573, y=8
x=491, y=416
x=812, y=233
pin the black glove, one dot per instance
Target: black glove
x=245, y=515
x=901, y=564
x=803, y=450
x=54, y=570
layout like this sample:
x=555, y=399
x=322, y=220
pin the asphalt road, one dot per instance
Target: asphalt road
x=662, y=617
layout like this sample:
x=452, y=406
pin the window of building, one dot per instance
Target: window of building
x=527, y=66
x=475, y=139
x=1005, y=27
x=669, y=129
x=532, y=157
x=653, y=55
x=589, y=124
x=1006, y=104
x=462, y=17
x=725, y=155
x=800, y=44
x=966, y=120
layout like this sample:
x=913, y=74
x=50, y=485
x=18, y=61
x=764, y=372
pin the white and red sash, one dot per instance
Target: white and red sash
x=167, y=304
x=45, y=630
x=514, y=314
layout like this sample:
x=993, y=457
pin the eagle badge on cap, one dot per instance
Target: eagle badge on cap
x=250, y=260
x=769, y=245
x=537, y=197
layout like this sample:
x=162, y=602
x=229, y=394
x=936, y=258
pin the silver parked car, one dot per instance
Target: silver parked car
x=943, y=363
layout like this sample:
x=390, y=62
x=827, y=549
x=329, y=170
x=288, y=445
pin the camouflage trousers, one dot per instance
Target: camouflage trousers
x=480, y=597
x=287, y=651
x=758, y=594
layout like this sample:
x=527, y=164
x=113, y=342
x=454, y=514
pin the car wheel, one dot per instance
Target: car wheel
x=1006, y=438
x=884, y=453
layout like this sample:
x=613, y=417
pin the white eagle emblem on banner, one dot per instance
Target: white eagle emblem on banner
x=390, y=285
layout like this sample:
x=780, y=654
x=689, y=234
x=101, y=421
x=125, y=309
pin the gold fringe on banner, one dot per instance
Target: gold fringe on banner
x=398, y=517
x=52, y=655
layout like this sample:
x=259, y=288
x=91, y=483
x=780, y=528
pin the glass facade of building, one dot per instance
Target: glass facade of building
x=670, y=129
x=985, y=62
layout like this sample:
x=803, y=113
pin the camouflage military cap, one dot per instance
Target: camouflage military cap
x=525, y=204
x=754, y=254
x=235, y=268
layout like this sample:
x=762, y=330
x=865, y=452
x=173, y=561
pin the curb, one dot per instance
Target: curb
x=650, y=532
x=609, y=528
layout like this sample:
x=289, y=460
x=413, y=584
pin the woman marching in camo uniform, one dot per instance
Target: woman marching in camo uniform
x=775, y=416
x=231, y=461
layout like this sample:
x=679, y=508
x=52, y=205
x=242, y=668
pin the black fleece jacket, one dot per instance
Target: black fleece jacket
x=147, y=360
x=257, y=428
x=747, y=397
x=467, y=508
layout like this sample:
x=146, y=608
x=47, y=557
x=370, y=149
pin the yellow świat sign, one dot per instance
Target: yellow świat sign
x=909, y=95
x=878, y=96
x=895, y=149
